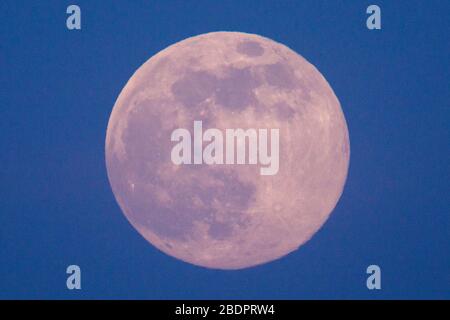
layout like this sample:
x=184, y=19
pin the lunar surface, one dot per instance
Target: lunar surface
x=227, y=216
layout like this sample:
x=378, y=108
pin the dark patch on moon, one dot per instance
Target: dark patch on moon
x=235, y=91
x=143, y=136
x=233, y=190
x=176, y=218
x=147, y=146
x=194, y=87
x=168, y=222
x=280, y=75
x=250, y=48
x=284, y=111
x=219, y=230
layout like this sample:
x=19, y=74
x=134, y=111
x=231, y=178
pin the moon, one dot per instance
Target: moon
x=227, y=216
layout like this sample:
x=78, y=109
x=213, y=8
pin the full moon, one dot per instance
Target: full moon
x=227, y=216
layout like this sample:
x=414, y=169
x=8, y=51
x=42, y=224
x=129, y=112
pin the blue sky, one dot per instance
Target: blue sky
x=58, y=87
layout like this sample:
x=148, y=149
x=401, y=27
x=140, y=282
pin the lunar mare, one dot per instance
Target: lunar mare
x=227, y=216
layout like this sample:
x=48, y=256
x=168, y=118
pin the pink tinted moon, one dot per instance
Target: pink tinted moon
x=227, y=216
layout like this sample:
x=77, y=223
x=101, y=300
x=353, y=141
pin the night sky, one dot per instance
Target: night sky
x=58, y=87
